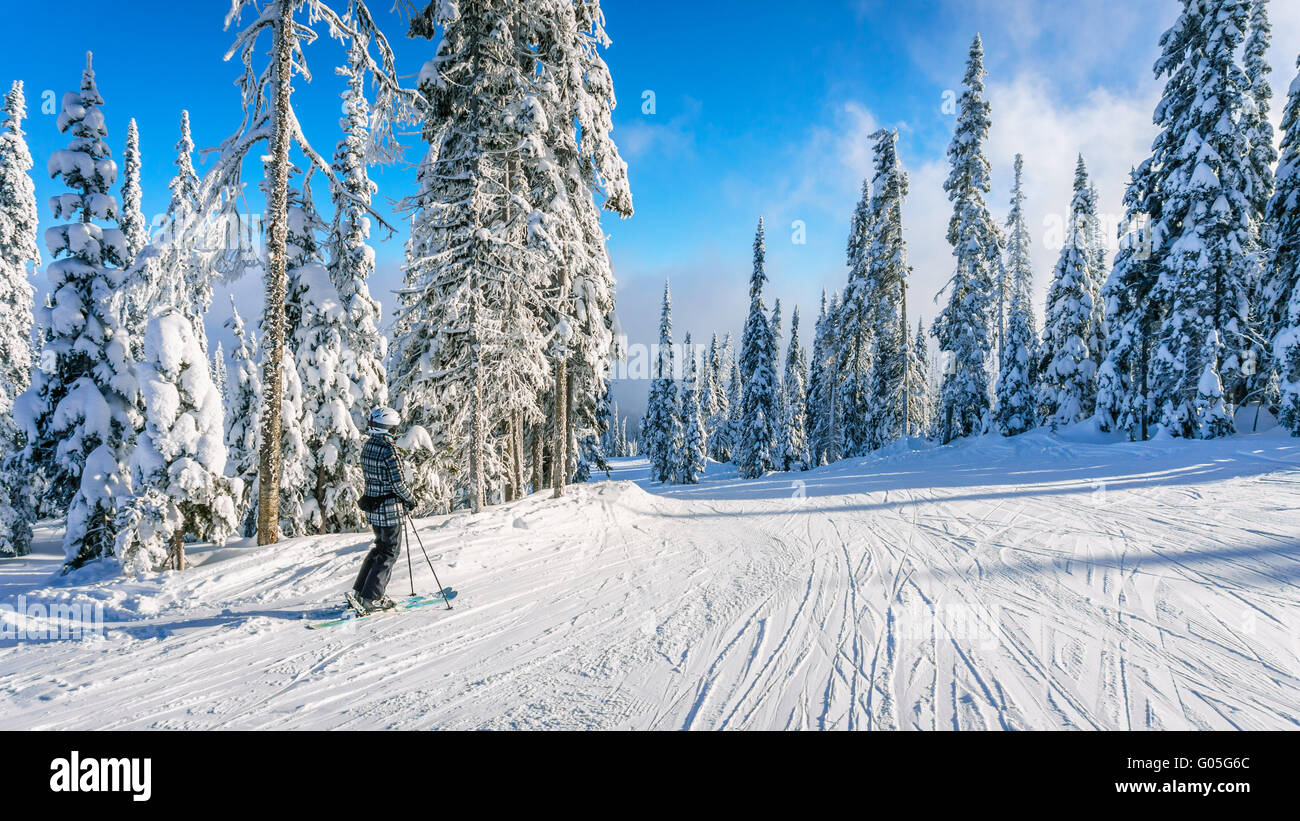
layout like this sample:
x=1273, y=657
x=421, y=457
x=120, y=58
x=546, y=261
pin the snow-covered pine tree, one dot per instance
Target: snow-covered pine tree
x=888, y=273
x=920, y=404
x=438, y=359
x=735, y=395
x=963, y=326
x=134, y=228
x=1286, y=349
x=242, y=401
x=1068, y=387
x=296, y=504
x=19, y=258
x=662, y=424
x=692, y=452
x=794, y=454
x=178, y=465
x=717, y=405
x=219, y=378
x=1016, y=408
x=325, y=362
x=582, y=95
x=1255, y=121
x=170, y=272
x=1132, y=318
x=322, y=359
x=1282, y=276
x=78, y=415
x=568, y=100
x=518, y=136
x=1206, y=234
x=822, y=389
x=855, y=334
x=778, y=405
x=352, y=259
x=754, y=454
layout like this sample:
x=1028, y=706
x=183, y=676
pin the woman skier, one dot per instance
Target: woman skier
x=385, y=491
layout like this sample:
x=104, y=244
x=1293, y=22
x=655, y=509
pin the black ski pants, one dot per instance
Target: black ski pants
x=378, y=566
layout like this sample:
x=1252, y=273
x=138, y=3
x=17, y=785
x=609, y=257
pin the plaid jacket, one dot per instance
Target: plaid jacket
x=383, y=474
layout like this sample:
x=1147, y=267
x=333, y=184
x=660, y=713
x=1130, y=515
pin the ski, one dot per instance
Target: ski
x=403, y=604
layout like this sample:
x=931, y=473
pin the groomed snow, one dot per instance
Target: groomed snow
x=1037, y=582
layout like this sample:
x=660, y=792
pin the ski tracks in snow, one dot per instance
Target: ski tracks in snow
x=1000, y=586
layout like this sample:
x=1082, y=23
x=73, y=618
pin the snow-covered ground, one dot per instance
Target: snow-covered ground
x=1036, y=582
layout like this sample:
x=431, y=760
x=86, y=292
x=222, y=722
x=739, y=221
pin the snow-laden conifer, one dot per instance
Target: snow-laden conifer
x=78, y=416
x=758, y=421
x=963, y=327
x=178, y=464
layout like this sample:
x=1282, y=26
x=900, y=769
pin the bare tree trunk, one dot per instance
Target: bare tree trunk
x=560, y=458
x=268, y=468
x=539, y=480
x=517, y=453
x=178, y=549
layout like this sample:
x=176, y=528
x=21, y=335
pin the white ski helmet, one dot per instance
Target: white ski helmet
x=384, y=418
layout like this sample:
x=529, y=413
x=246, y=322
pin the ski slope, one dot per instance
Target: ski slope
x=1036, y=582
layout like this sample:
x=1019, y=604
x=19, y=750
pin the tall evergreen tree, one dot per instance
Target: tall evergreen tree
x=662, y=425
x=889, y=272
x=513, y=183
x=326, y=365
x=717, y=406
x=1255, y=124
x=735, y=397
x=1068, y=388
x=1206, y=236
x=758, y=418
x=352, y=259
x=173, y=270
x=822, y=388
x=1019, y=262
x=1132, y=318
x=1260, y=383
x=854, y=334
x=1282, y=276
x=778, y=403
x=19, y=258
x=794, y=454
x=1016, y=408
x=920, y=404
x=963, y=327
x=242, y=397
x=134, y=228
x=691, y=446
x=78, y=415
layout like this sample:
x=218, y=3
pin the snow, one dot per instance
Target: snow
x=1038, y=581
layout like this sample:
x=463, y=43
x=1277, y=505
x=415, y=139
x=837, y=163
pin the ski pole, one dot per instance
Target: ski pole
x=420, y=542
x=410, y=572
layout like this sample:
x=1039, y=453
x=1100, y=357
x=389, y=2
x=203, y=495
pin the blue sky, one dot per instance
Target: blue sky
x=759, y=108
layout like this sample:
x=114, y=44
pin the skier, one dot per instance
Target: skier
x=385, y=490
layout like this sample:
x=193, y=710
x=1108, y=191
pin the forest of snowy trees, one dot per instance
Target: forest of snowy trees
x=1196, y=317
x=123, y=418
x=117, y=413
